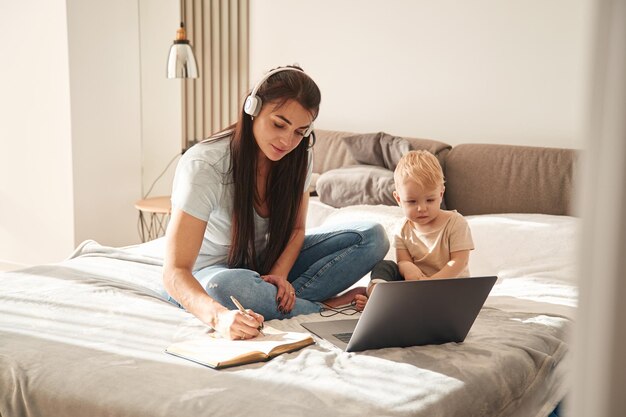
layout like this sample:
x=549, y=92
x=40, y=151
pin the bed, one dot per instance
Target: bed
x=86, y=336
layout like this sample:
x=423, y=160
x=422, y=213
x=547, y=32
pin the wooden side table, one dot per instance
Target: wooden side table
x=154, y=214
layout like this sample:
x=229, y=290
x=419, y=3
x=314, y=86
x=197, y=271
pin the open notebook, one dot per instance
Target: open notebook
x=217, y=352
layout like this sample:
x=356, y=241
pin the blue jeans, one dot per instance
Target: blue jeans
x=331, y=260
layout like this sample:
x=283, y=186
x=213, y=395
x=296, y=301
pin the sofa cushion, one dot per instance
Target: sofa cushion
x=378, y=149
x=358, y=184
x=385, y=150
x=331, y=150
x=486, y=178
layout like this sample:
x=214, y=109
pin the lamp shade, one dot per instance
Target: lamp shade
x=181, y=62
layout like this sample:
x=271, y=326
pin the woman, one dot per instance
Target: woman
x=238, y=219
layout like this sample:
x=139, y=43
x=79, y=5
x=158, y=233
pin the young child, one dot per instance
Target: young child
x=432, y=243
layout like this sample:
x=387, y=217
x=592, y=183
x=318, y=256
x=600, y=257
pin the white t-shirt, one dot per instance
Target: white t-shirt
x=203, y=188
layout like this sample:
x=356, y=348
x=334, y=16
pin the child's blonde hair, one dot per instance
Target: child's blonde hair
x=421, y=167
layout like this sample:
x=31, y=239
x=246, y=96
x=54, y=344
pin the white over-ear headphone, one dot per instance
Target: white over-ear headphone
x=253, y=104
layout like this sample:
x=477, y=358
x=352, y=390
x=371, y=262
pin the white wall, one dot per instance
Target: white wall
x=481, y=71
x=70, y=164
x=36, y=184
x=106, y=119
x=161, y=97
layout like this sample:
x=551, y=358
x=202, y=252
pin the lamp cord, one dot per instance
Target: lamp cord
x=160, y=175
x=182, y=13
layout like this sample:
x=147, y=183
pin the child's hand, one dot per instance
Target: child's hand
x=410, y=271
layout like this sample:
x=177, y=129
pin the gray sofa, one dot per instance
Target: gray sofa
x=355, y=168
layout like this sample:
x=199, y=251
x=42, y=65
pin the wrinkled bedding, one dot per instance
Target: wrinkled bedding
x=86, y=337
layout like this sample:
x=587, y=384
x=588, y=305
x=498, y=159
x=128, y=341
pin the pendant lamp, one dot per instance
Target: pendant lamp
x=181, y=62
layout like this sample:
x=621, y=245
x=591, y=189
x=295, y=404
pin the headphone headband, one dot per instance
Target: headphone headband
x=268, y=75
x=253, y=104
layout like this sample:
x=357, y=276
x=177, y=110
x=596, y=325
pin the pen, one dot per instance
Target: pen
x=243, y=310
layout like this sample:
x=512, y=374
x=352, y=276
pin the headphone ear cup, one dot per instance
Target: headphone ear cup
x=308, y=131
x=252, y=106
x=312, y=140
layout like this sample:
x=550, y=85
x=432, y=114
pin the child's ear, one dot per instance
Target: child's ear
x=397, y=197
x=443, y=189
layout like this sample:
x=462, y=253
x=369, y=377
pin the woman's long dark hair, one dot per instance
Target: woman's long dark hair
x=285, y=182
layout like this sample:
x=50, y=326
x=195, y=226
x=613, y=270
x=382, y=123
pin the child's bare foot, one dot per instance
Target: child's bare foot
x=345, y=298
x=360, y=300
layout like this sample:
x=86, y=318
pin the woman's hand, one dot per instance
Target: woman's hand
x=285, y=293
x=233, y=324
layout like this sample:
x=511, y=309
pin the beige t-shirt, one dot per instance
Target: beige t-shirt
x=431, y=251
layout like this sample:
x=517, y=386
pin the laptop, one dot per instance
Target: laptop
x=410, y=313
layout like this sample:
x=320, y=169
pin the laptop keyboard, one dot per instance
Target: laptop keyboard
x=344, y=337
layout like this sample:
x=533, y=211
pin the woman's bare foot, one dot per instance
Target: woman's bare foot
x=345, y=298
x=360, y=300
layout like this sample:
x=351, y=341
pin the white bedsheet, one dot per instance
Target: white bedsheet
x=85, y=337
x=532, y=254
